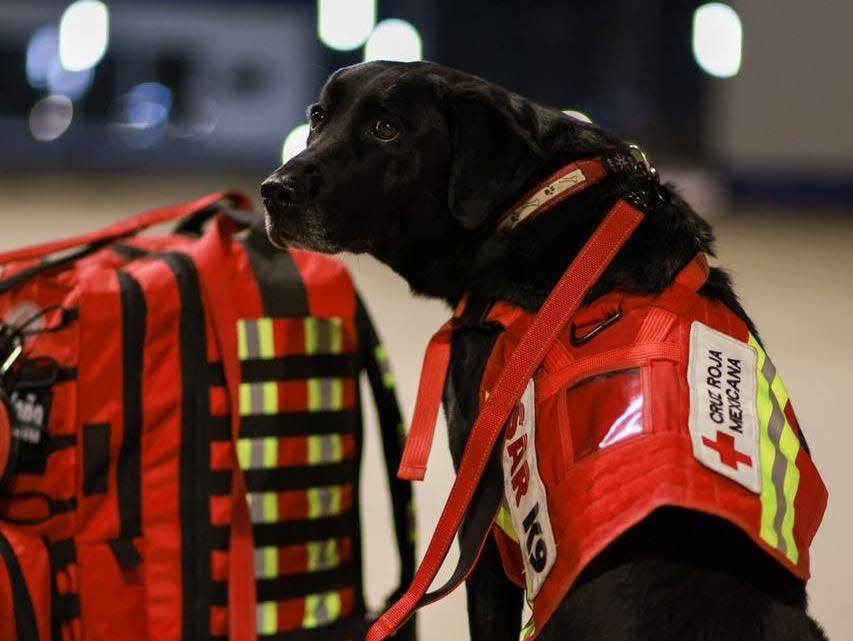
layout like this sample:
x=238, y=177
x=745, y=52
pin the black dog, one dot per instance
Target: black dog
x=414, y=163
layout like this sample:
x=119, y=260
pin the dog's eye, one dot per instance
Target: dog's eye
x=316, y=116
x=384, y=130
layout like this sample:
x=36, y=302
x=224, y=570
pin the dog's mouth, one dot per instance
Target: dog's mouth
x=298, y=227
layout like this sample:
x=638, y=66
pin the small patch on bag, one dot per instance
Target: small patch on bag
x=525, y=493
x=723, y=423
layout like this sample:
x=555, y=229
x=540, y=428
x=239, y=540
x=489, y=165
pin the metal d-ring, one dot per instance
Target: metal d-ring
x=595, y=331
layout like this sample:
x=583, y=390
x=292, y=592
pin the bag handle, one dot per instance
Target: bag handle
x=127, y=227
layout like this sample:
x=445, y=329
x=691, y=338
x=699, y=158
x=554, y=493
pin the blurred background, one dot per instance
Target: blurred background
x=109, y=108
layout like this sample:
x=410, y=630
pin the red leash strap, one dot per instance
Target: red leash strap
x=552, y=318
x=433, y=372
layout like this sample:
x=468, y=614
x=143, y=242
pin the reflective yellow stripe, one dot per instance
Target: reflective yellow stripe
x=310, y=335
x=325, y=448
x=504, y=521
x=325, y=394
x=242, y=343
x=258, y=453
x=790, y=448
x=244, y=452
x=270, y=397
x=337, y=335
x=265, y=334
x=381, y=355
x=270, y=507
x=258, y=398
x=767, y=452
x=323, y=335
x=268, y=617
x=322, y=555
x=266, y=567
x=773, y=397
x=324, y=501
x=321, y=609
x=528, y=630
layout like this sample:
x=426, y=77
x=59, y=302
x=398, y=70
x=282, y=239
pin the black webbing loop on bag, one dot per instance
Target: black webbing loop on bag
x=193, y=225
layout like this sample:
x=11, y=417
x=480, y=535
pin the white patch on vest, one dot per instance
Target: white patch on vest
x=525, y=493
x=723, y=422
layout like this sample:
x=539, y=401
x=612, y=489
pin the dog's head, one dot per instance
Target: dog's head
x=402, y=154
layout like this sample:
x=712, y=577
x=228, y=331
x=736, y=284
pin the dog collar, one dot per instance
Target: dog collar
x=572, y=178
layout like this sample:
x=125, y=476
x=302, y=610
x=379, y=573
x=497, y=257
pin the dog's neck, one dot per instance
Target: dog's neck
x=522, y=265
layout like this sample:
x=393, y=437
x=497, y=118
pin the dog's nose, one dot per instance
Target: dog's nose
x=297, y=183
x=282, y=191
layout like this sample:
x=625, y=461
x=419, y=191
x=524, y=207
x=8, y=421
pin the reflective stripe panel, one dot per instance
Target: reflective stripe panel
x=323, y=555
x=778, y=449
x=263, y=507
x=325, y=448
x=381, y=355
x=267, y=617
x=325, y=394
x=324, y=501
x=255, y=338
x=266, y=563
x=258, y=453
x=258, y=398
x=323, y=335
x=321, y=609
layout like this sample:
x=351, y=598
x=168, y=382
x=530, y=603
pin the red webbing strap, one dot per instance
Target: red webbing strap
x=433, y=373
x=213, y=256
x=127, y=226
x=559, y=307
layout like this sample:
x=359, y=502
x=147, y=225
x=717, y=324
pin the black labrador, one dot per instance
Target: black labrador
x=413, y=163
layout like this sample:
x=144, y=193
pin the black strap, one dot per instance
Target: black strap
x=391, y=427
x=194, y=481
x=193, y=224
x=282, y=291
x=128, y=469
x=96, y=458
x=26, y=628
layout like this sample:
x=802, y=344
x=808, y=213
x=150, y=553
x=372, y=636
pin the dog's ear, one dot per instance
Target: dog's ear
x=493, y=151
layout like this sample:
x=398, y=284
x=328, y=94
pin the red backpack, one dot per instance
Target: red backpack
x=180, y=436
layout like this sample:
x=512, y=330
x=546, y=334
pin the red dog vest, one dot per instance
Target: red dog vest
x=644, y=402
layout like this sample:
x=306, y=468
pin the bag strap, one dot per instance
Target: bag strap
x=558, y=309
x=391, y=427
x=127, y=227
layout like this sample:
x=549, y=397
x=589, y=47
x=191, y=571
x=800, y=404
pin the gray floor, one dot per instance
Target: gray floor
x=794, y=274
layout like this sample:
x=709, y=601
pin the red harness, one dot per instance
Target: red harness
x=649, y=429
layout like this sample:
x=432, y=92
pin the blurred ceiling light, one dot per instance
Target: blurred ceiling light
x=717, y=39
x=394, y=40
x=83, y=34
x=45, y=71
x=50, y=117
x=295, y=142
x=147, y=107
x=42, y=50
x=73, y=84
x=345, y=24
x=577, y=115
